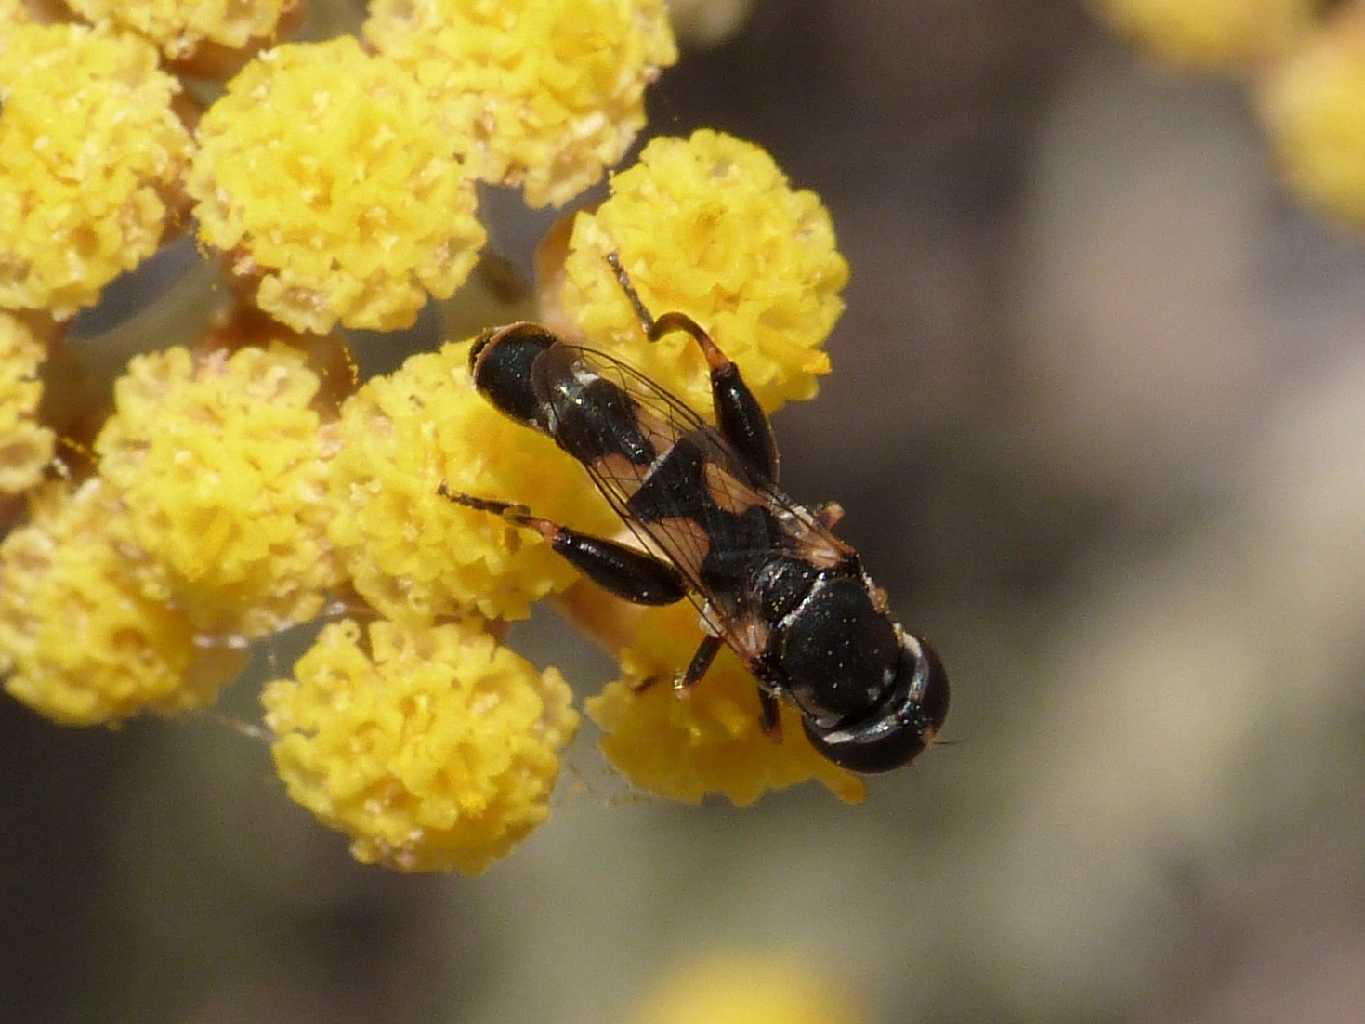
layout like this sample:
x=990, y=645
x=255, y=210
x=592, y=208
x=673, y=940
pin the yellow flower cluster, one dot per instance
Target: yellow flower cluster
x=551, y=91
x=221, y=462
x=1314, y=107
x=710, y=226
x=709, y=741
x=92, y=155
x=236, y=490
x=1310, y=79
x=330, y=177
x=433, y=748
x=746, y=988
x=1211, y=34
x=180, y=26
x=79, y=640
x=25, y=446
x=412, y=553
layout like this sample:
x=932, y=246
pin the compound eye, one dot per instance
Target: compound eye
x=899, y=728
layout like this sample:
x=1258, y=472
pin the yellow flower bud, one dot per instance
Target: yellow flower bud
x=25, y=446
x=79, y=641
x=221, y=462
x=551, y=91
x=431, y=747
x=179, y=26
x=1313, y=105
x=329, y=175
x=709, y=225
x=93, y=156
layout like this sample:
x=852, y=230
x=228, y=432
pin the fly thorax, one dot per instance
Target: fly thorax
x=839, y=653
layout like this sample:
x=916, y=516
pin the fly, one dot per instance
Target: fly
x=769, y=576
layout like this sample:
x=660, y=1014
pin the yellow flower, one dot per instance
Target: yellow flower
x=179, y=26
x=710, y=226
x=710, y=741
x=412, y=553
x=746, y=988
x=12, y=12
x=1313, y=105
x=1211, y=34
x=92, y=153
x=221, y=462
x=79, y=641
x=431, y=747
x=25, y=446
x=330, y=176
x=551, y=90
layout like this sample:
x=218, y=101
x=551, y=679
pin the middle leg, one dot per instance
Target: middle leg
x=696, y=668
x=739, y=417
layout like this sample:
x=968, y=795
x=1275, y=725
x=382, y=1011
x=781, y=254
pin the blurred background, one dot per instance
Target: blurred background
x=1097, y=418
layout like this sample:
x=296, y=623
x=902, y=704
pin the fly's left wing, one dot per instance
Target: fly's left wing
x=694, y=502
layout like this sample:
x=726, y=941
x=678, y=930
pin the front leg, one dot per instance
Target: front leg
x=739, y=417
x=629, y=574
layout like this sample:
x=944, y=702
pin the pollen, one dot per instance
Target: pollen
x=79, y=640
x=433, y=748
x=334, y=186
x=710, y=741
x=1216, y=35
x=25, y=445
x=221, y=462
x=552, y=91
x=710, y=226
x=93, y=158
x=412, y=553
x=178, y=27
x=1313, y=105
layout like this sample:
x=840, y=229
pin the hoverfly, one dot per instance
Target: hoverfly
x=767, y=574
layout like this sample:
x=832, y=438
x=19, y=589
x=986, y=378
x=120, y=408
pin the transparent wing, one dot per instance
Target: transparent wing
x=698, y=512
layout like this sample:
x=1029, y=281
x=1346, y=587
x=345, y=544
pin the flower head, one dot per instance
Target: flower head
x=710, y=741
x=79, y=640
x=1313, y=105
x=709, y=225
x=330, y=177
x=411, y=552
x=1211, y=34
x=92, y=157
x=179, y=27
x=745, y=988
x=25, y=446
x=221, y=462
x=431, y=747
x=550, y=90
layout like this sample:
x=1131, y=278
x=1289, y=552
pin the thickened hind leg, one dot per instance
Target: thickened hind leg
x=739, y=417
x=629, y=574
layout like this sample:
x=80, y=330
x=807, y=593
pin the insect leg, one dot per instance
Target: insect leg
x=696, y=668
x=739, y=417
x=770, y=716
x=629, y=574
